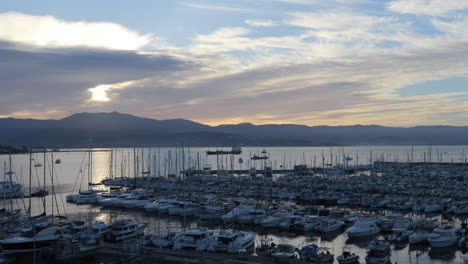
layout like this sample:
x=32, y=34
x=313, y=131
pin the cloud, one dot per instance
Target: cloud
x=214, y=7
x=260, y=23
x=427, y=7
x=48, y=31
x=322, y=72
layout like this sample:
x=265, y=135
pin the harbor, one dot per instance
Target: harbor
x=334, y=212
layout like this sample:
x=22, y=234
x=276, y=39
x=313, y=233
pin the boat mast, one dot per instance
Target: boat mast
x=30, y=175
x=44, y=199
x=52, y=182
x=4, y=179
x=10, y=173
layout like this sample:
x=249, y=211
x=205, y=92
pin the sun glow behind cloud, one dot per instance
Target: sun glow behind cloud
x=99, y=93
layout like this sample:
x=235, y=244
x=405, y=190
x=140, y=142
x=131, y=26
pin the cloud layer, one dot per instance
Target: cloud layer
x=339, y=64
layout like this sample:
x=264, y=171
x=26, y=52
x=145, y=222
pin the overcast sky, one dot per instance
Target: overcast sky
x=311, y=62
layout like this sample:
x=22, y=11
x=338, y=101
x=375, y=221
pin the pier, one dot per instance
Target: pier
x=268, y=172
x=120, y=255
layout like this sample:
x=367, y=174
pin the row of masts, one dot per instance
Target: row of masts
x=171, y=162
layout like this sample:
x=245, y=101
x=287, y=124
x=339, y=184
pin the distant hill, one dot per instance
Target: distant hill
x=123, y=130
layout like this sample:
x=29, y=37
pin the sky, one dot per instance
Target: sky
x=310, y=62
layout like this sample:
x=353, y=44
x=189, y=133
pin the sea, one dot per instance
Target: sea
x=72, y=171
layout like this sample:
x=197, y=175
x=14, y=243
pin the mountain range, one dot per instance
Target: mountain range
x=124, y=130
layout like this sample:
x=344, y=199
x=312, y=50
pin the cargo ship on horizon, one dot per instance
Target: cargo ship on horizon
x=235, y=150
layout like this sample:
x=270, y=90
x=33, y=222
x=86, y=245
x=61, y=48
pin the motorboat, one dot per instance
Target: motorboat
x=379, y=252
x=184, y=208
x=362, y=228
x=402, y=224
x=432, y=208
x=251, y=216
x=314, y=254
x=348, y=258
x=274, y=220
x=418, y=236
x=161, y=206
x=164, y=239
x=444, y=236
x=29, y=243
x=92, y=233
x=307, y=223
x=399, y=236
x=124, y=229
x=232, y=216
x=284, y=251
x=211, y=212
x=329, y=225
x=114, y=201
x=197, y=239
x=10, y=189
x=232, y=241
x=386, y=223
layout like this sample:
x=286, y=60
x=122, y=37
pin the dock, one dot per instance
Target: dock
x=116, y=255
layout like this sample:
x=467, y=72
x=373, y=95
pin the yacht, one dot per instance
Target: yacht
x=10, y=189
x=362, y=228
x=85, y=197
x=92, y=233
x=329, y=225
x=138, y=202
x=161, y=206
x=386, y=223
x=7, y=216
x=232, y=241
x=251, y=216
x=113, y=201
x=444, y=236
x=284, y=251
x=432, y=208
x=290, y=221
x=210, y=212
x=348, y=258
x=308, y=223
x=29, y=243
x=419, y=236
x=275, y=219
x=232, y=216
x=124, y=229
x=401, y=225
x=164, y=239
x=379, y=252
x=197, y=239
x=184, y=208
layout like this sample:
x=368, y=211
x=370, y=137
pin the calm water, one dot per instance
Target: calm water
x=72, y=174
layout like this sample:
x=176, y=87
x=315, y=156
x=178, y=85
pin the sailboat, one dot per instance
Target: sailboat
x=8, y=187
x=87, y=196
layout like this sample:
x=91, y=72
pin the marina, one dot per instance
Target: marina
x=154, y=206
